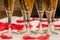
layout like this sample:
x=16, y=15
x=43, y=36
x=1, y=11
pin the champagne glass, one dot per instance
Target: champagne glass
x=54, y=7
x=9, y=7
x=26, y=8
x=40, y=9
x=50, y=8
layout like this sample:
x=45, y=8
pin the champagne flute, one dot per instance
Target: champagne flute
x=49, y=7
x=9, y=7
x=40, y=9
x=26, y=8
x=54, y=7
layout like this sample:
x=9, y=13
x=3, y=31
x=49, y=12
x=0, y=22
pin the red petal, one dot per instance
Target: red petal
x=17, y=27
x=38, y=26
x=6, y=37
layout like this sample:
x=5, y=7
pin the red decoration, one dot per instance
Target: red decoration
x=3, y=26
x=6, y=37
x=45, y=37
x=17, y=27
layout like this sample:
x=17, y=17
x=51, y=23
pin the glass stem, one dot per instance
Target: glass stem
x=40, y=19
x=53, y=15
x=41, y=28
x=49, y=26
x=8, y=15
x=28, y=23
x=52, y=19
x=53, y=28
x=25, y=20
x=9, y=21
x=25, y=25
x=24, y=17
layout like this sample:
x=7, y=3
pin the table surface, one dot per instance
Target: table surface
x=18, y=36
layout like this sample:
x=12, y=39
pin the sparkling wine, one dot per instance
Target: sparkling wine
x=29, y=4
x=6, y=4
x=40, y=4
x=40, y=7
x=9, y=4
x=48, y=8
x=49, y=14
x=9, y=7
x=54, y=6
x=47, y=5
x=40, y=13
x=51, y=5
x=26, y=6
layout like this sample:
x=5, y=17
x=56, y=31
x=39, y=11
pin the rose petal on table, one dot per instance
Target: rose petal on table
x=57, y=25
x=21, y=21
x=3, y=26
x=38, y=26
x=27, y=37
x=17, y=27
x=6, y=37
x=36, y=38
x=44, y=25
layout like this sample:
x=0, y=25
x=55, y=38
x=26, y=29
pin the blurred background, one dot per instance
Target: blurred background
x=17, y=11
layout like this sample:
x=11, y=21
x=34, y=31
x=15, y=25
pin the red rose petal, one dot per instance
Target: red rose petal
x=44, y=20
x=44, y=25
x=27, y=37
x=21, y=21
x=30, y=26
x=6, y=37
x=57, y=25
x=3, y=26
x=38, y=26
x=36, y=38
x=17, y=27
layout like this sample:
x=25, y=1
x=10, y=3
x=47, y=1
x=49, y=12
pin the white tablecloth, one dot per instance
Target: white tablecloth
x=17, y=36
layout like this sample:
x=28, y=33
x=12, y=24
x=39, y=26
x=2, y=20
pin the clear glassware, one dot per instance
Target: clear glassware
x=26, y=8
x=9, y=8
x=54, y=7
x=40, y=9
x=50, y=8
